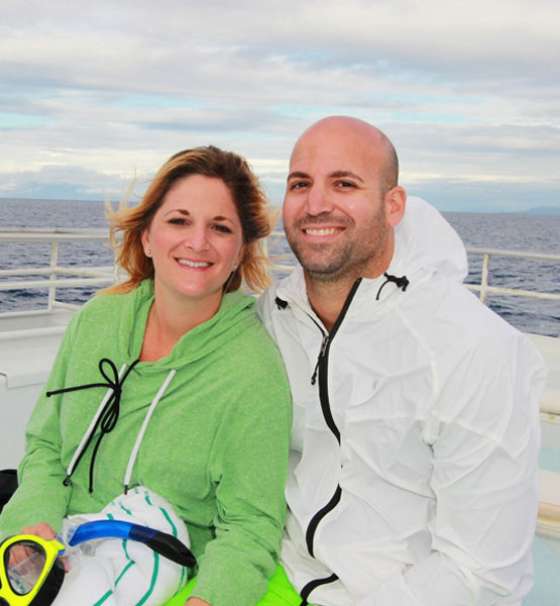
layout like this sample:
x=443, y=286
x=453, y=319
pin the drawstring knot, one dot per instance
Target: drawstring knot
x=401, y=282
x=107, y=417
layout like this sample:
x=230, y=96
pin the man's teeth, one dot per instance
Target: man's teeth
x=323, y=231
x=189, y=263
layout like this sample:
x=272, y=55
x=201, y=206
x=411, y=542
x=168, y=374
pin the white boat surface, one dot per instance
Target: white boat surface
x=29, y=341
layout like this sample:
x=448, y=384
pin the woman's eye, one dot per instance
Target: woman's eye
x=221, y=228
x=177, y=221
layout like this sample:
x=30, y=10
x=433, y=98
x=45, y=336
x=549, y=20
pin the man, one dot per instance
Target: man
x=416, y=431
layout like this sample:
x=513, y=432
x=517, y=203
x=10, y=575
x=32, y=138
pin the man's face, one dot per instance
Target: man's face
x=334, y=211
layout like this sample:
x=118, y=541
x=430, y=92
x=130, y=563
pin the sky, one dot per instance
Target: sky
x=96, y=96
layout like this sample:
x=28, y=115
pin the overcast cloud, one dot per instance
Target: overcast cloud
x=94, y=94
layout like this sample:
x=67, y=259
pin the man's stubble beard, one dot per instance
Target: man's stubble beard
x=354, y=258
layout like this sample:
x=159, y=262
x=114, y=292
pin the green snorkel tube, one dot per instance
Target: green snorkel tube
x=32, y=572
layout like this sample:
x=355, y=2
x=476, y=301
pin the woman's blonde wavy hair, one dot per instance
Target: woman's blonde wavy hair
x=128, y=224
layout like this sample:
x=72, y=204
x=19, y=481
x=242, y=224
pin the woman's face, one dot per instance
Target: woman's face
x=195, y=239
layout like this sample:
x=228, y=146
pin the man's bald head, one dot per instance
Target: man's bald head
x=332, y=128
x=342, y=201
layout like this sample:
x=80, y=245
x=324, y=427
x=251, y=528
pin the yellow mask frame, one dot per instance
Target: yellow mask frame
x=45, y=585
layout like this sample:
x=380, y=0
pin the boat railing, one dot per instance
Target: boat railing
x=484, y=287
x=55, y=276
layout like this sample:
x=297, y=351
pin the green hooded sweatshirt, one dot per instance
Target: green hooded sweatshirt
x=216, y=446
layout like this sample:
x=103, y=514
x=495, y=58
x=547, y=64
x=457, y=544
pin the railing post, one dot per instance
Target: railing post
x=484, y=277
x=53, y=264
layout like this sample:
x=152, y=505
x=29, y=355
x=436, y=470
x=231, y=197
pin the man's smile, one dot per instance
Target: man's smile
x=321, y=232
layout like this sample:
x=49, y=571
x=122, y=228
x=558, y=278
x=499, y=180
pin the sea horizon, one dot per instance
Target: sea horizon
x=533, y=210
x=517, y=231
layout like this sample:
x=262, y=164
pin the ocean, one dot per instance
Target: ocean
x=525, y=232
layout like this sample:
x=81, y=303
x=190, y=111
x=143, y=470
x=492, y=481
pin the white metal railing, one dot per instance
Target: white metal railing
x=56, y=276
x=84, y=276
x=485, y=289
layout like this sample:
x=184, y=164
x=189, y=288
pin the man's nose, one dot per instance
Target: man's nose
x=318, y=200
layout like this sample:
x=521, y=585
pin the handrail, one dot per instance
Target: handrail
x=106, y=275
x=85, y=276
x=48, y=235
x=485, y=289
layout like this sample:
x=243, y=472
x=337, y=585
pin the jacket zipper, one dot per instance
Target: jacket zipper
x=322, y=372
x=306, y=591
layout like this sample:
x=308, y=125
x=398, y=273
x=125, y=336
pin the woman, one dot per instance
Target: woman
x=197, y=407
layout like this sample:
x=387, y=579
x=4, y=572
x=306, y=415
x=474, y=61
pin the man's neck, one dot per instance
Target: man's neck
x=327, y=298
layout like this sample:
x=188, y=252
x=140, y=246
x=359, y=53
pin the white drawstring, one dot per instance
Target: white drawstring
x=86, y=436
x=142, y=431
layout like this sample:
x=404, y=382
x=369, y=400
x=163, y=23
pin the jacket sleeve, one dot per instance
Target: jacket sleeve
x=484, y=481
x=41, y=496
x=254, y=440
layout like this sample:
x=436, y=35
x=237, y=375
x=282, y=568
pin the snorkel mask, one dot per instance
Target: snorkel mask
x=31, y=572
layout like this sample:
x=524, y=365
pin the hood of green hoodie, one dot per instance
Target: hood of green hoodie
x=233, y=317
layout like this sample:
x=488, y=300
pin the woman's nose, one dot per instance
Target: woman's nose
x=197, y=239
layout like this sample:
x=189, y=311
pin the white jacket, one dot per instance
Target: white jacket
x=412, y=477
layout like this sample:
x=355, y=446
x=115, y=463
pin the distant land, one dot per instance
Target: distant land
x=544, y=210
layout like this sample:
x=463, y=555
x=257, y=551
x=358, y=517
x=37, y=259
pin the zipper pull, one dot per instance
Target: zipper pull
x=321, y=354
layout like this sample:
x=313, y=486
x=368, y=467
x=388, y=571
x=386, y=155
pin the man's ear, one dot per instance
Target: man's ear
x=395, y=204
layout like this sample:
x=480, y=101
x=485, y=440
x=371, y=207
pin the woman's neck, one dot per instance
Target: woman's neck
x=172, y=317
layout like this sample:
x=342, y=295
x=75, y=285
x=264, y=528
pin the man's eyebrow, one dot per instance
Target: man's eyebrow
x=297, y=174
x=339, y=174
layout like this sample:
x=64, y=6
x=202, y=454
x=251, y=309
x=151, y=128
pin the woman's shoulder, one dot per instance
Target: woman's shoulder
x=253, y=334
x=256, y=354
x=105, y=309
x=104, y=303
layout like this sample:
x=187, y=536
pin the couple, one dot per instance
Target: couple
x=411, y=471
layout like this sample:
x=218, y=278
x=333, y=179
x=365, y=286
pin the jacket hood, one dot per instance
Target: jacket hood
x=231, y=319
x=425, y=241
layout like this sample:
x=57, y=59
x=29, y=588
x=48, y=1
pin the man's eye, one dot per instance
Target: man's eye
x=342, y=184
x=295, y=185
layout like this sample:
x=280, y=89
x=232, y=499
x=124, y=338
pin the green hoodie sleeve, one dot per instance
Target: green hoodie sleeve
x=41, y=496
x=251, y=474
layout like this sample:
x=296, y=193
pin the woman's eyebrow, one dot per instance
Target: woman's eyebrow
x=182, y=211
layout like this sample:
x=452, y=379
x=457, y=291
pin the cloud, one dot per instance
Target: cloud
x=468, y=91
x=68, y=182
